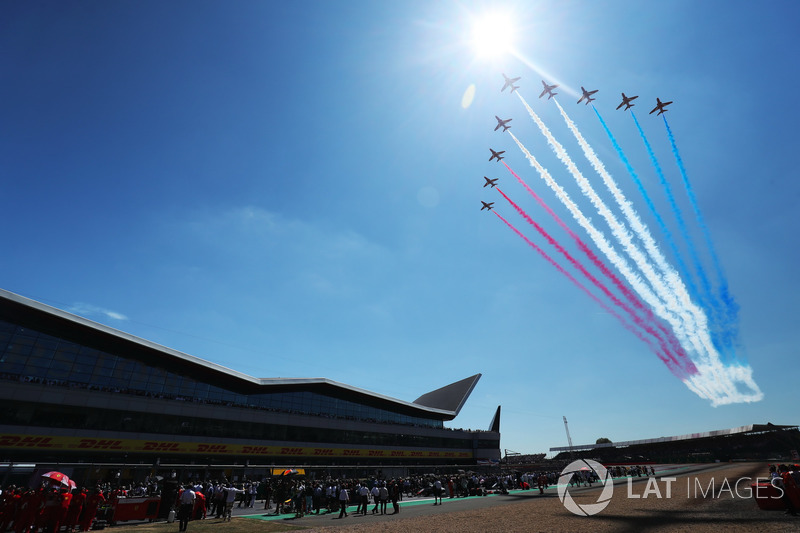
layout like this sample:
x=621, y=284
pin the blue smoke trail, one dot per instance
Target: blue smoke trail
x=731, y=329
x=722, y=342
x=668, y=234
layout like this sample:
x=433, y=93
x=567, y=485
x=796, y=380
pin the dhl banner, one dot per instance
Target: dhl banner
x=145, y=446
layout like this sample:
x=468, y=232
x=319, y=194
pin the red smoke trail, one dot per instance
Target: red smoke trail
x=667, y=361
x=624, y=289
x=629, y=295
x=574, y=262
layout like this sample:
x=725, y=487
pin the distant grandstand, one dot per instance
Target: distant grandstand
x=753, y=442
x=514, y=458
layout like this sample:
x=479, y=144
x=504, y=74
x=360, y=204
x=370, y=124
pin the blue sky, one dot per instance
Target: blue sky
x=293, y=189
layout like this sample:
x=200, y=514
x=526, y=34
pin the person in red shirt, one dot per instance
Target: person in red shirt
x=30, y=510
x=51, y=513
x=93, y=501
x=199, y=511
x=9, y=507
x=74, y=511
x=791, y=492
x=64, y=500
x=542, y=482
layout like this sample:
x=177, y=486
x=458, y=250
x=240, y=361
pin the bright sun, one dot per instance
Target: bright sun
x=492, y=35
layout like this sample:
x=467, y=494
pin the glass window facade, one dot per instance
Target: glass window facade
x=21, y=413
x=29, y=355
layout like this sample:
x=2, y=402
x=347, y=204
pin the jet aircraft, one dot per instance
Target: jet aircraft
x=501, y=122
x=496, y=154
x=587, y=95
x=490, y=182
x=509, y=83
x=487, y=205
x=548, y=90
x=626, y=101
x=661, y=106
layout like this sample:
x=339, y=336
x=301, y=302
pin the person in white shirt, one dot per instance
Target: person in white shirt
x=252, y=493
x=376, y=496
x=343, y=497
x=363, y=493
x=384, y=496
x=437, y=492
x=230, y=497
x=186, y=500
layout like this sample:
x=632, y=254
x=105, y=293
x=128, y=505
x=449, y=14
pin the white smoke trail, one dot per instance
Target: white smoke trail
x=681, y=322
x=726, y=380
x=641, y=288
x=715, y=382
x=671, y=279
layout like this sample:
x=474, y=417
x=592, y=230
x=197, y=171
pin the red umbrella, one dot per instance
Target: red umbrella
x=57, y=477
x=72, y=484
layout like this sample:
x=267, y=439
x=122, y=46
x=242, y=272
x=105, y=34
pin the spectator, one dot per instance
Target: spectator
x=186, y=502
x=437, y=492
x=343, y=498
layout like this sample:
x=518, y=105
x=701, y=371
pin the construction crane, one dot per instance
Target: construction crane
x=569, y=439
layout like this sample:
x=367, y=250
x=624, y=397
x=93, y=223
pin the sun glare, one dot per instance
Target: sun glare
x=492, y=35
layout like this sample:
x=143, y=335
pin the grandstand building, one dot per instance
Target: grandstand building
x=754, y=442
x=72, y=390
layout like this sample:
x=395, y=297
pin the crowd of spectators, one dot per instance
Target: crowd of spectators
x=52, y=508
x=300, y=496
